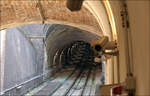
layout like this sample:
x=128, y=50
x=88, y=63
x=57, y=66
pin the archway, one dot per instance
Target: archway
x=91, y=24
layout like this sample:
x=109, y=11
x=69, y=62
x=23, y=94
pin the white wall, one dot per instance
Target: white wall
x=139, y=16
x=20, y=59
x=139, y=19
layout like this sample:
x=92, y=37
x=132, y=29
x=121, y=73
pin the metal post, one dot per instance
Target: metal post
x=118, y=69
x=2, y=59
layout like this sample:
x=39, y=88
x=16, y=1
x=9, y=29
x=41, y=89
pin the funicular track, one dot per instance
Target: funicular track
x=79, y=82
x=78, y=77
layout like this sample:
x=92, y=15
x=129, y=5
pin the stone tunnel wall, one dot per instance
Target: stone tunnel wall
x=24, y=56
x=61, y=36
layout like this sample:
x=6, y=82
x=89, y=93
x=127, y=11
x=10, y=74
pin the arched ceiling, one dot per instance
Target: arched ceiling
x=19, y=12
x=61, y=36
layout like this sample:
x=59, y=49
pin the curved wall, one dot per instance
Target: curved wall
x=62, y=35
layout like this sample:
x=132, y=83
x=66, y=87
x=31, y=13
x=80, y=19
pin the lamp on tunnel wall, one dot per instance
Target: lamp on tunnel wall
x=74, y=5
x=105, y=47
x=99, y=45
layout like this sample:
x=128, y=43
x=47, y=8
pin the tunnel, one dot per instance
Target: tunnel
x=59, y=60
x=50, y=49
x=69, y=50
x=45, y=47
x=60, y=44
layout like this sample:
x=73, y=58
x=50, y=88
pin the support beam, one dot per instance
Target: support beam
x=2, y=58
x=39, y=8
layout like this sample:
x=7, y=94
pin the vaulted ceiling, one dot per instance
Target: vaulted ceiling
x=20, y=12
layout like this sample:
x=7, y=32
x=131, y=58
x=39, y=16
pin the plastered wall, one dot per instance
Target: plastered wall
x=139, y=42
x=22, y=57
x=139, y=16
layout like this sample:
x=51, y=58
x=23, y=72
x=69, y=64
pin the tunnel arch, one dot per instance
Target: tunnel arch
x=28, y=13
x=94, y=12
x=9, y=19
x=58, y=40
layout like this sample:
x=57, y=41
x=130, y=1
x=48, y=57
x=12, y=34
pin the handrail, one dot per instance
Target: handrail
x=18, y=85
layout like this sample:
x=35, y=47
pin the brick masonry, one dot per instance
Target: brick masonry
x=19, y=12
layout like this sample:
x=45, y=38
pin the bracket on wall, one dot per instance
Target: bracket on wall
x=124, y=16
x=105, y=47
x=39, y=8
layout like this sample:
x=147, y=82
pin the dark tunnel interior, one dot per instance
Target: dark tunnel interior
x=70, y=56
x=70, y=46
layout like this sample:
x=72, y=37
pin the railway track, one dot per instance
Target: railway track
x=78, y=75
x=73, y=83
x=79, y=82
